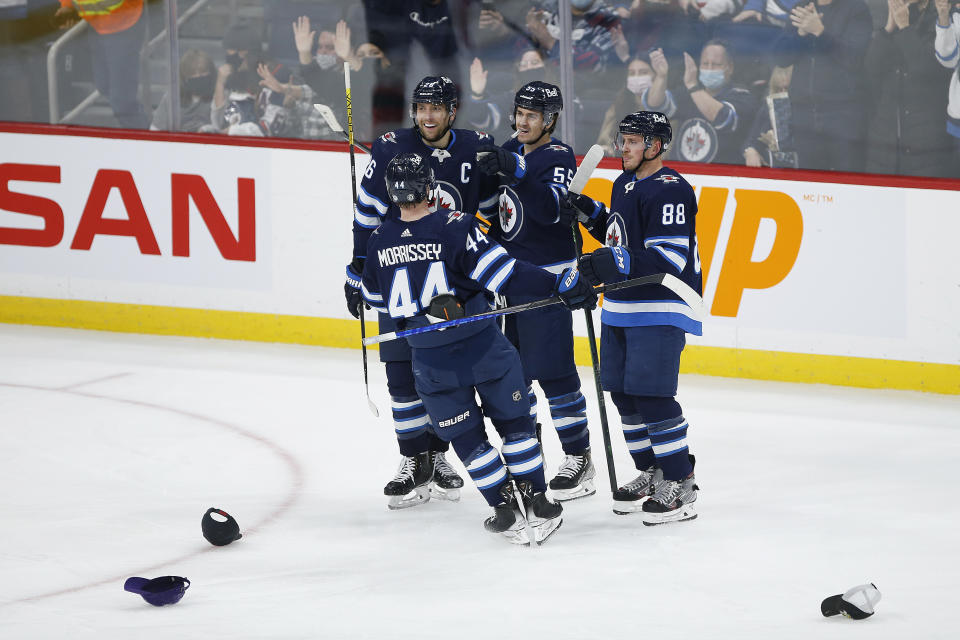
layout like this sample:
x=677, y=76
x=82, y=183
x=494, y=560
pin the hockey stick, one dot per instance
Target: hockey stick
x=586, y=169
x=671, y=282
x=327, y=114
x=353, y=184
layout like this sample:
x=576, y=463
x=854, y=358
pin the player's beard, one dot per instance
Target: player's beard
x=442, y=129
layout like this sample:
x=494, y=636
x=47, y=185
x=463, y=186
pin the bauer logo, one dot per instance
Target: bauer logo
x=455, y=420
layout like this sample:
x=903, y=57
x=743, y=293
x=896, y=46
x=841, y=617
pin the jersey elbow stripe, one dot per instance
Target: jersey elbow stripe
x=676, y=258
x=364, y=197
x=731, y=119
x=486, y=260
x=500, y=277
x=366, y=221
x=679, y=241
x=372, y=296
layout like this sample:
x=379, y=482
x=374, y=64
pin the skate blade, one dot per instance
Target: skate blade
x=544, y=530
x=419, y=495
x=439, y=493
x=582, y=490
x=517, y=535
x=626, y=507
x=682, y=514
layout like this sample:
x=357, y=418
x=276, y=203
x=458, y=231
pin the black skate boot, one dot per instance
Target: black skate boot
x=446, y=483
x=411, y=485
x=672, y=501
x=575, y=478
x=630, y=497
x=543, y=516
x=507, y=519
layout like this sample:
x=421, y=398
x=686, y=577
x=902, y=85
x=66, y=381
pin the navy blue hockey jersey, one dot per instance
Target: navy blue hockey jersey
x=656, y=218
x=461, y=186
x=408, y=263
x=529, y=210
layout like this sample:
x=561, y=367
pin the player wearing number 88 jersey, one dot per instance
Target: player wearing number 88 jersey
x=649, y=228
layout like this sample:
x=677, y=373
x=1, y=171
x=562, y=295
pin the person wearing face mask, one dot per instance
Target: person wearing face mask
x=198, y=76
x=641, y=78
x=242, y=49
x=947, y=51
x=714, y=114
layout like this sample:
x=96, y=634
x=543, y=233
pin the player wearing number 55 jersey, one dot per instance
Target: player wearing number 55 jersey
x=440, y=264
x=649, y=228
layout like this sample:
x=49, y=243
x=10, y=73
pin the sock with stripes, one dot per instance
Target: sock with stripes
x=568, y=409
x=525, y=459
x=669, y=440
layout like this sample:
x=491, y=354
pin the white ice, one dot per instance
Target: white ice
x=113, y=446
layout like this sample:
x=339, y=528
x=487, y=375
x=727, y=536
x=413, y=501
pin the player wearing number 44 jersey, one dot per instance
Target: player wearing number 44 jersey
x=649, y=228
x=535, y=170
x=423, y=471
x=427, y=265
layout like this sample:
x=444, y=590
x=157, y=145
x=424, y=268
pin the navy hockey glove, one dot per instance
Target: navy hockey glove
x=446, y=306
x=606, y=264
x=574, y=291
x=352, y=287
x=494, y=160
x=587, y=209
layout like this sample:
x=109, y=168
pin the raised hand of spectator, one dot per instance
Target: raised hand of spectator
x=341, y=46
x=478, y=77
x=898, y=15
x=659, y=62
x=807, y=20
x=620, y=45
x=943, y=12
x=748, y=14
x=303, y=36
x=492, y=20
x=690, y=71
x=268, y=79
x=538, y=29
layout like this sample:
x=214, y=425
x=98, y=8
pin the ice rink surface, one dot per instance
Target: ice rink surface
x=113, y=446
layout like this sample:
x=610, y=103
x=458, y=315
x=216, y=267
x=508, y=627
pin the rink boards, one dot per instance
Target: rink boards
x=837, y=279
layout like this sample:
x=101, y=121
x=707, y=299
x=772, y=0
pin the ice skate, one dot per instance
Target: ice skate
x=574, y=479
x=446, y=483
x=411, y=485
x=543, y=516
x=507, y=520
x=630, y=497
x=672, y=501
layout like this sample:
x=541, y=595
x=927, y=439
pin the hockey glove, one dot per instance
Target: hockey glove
x=589, y=211
x=446, y=306
x=574, y=291
x=494, y=160
x=352, y=287
x=606, y=264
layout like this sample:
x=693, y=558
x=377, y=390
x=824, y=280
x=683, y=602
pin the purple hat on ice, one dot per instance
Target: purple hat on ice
x=158, y=591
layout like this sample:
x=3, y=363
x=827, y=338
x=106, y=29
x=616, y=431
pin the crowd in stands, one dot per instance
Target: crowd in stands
x=839, y=85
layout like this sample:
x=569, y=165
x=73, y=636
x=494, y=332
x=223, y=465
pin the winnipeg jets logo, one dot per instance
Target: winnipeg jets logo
x=667, y=178
x=406, y=234
x=482, y=135
x=445, y=196
x=557, y=147
x=627, y=188
x=511, y=213
x=440, y=155
x=616, y=231
x=455, y=216
x=389, y=136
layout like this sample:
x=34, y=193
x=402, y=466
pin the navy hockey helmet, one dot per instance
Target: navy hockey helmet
x=434, y=90
x=409, y=179
x=649, y=124
x=543, y=97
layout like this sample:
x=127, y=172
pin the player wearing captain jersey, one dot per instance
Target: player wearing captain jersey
x=451, y=153
x=441, y=263
x=649, y=228
x=535, y=169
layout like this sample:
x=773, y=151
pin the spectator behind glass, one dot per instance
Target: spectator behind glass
x=773, y=12
x=598, y=41
x=712, y=114
x=824, y=47
x=907, y=91
x=242, y=49
x=116, y=40
x=947, y=51
x=629, y=99
x=321, y=67
x=240, y=112
x=198, y=76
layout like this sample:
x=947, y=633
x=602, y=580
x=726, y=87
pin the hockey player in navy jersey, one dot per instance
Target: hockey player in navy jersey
x=441, y=264
x=534, y=170
x=460, y=186
x=649, y=228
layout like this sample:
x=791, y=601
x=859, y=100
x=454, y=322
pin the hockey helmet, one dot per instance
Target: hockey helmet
x=409, y=179
x=434, y=90
x=649, y=124
x=540, y=96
